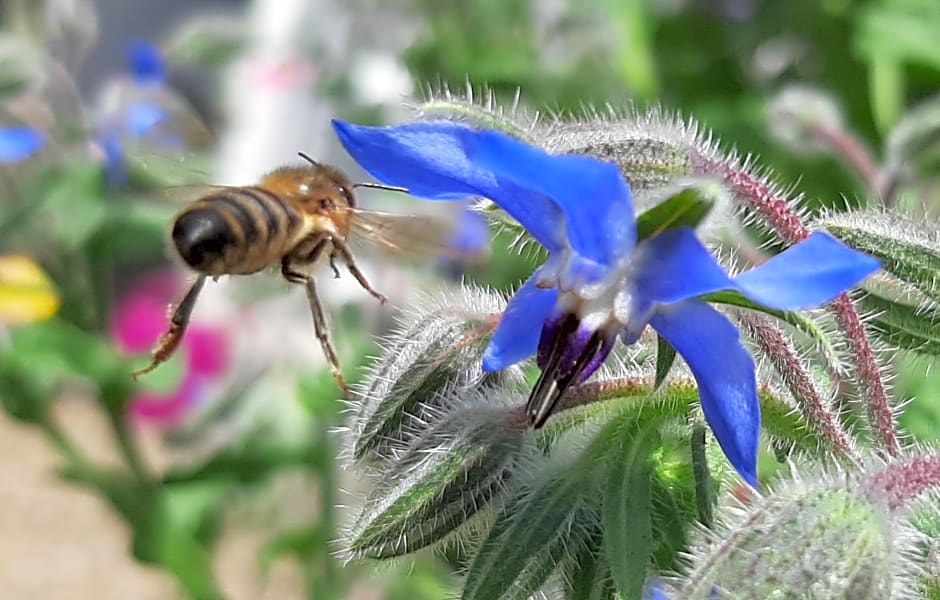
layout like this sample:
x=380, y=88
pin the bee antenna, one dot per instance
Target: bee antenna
x=379, y=186
x=307, y=158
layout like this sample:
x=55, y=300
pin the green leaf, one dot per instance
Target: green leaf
x=633, y=27
x=55, y=349
x=633, y=398
x=528, y=538
x=23, y=396
x=909, y=250
x=686, y=208
x=900, y=31
x=905, y=326
x=704, y=496
x=247, y=464
x=665, y=358
x=131, y=231
x=445, y=478
x=75, y=204
x=798, y=320
x=189, y=561
x=306, y=543
x=587, y=572
x=886, y=91
x=626, y=516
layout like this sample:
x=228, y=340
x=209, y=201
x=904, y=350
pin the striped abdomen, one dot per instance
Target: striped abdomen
x=235, y=231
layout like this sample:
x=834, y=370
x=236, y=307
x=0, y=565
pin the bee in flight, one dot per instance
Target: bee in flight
x=294, y=217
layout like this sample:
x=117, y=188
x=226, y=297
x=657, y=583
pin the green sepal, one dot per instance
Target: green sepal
x=685, y=208
x=441, y=352
x=665, y=358
x=905, y=326
x=907, y=249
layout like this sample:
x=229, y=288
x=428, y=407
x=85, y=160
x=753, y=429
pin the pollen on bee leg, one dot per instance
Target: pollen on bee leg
x=170, y=340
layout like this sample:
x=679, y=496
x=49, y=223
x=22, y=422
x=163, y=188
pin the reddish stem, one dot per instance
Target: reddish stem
x=904, y=480
x=782, y=355
x=851, y=150
x=776, y=211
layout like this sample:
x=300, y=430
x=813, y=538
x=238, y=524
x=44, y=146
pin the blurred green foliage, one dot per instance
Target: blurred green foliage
x=717, y=61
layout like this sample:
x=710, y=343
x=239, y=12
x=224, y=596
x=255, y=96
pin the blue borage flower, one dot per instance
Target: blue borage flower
x=598, y=282
x=19, y=142
x=141, y=112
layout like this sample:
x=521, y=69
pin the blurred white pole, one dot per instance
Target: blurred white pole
x=272, y=107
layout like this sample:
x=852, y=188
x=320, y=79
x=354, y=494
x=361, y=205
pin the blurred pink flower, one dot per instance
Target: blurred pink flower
x=277, y=76
x=139, y=320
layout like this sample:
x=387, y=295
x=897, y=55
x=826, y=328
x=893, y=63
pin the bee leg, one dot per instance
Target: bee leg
x=319, y=323
x=340, y=246
x=333, y=265
x=168, y=342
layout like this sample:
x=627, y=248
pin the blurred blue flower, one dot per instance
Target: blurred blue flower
x=598, y=282
x=654, y=591
x=19, y=142
x=472, y=236
x=138, y=110
x=145, y=63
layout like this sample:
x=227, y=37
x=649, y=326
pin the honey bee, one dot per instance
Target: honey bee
x=292, y=218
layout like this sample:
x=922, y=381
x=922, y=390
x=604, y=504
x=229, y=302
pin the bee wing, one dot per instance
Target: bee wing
x=180, y=195
x=415, y=235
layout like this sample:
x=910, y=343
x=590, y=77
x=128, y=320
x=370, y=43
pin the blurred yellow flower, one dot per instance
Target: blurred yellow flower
x=27, y=294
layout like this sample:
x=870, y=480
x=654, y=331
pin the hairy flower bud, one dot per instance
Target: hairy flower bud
x=817, y=540
x=798, y=115
x=437, y=351
x=907, y=249
x=651, y=150
x=445, y=478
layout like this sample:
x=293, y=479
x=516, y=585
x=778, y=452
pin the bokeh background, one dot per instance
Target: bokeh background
x=221, y=474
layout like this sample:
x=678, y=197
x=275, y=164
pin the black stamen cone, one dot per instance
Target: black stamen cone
x=556, y=376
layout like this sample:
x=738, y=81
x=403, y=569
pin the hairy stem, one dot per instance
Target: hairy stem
x=850, y=149
x=904, y=480
x=776, y=211
x=817, y=411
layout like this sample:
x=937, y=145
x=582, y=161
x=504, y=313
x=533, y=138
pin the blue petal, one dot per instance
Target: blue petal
x=808, y=274
x=654, y=591
x=517, y=335
x=142, y=117
x=592, y=194
x=115, y=169
x=18, y=143
x=472, y=235
x=724, y=371
x=145, y=62
x=674, y=266
x=435, y=160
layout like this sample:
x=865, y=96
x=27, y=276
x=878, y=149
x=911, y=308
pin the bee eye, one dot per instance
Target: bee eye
x=326, y=203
